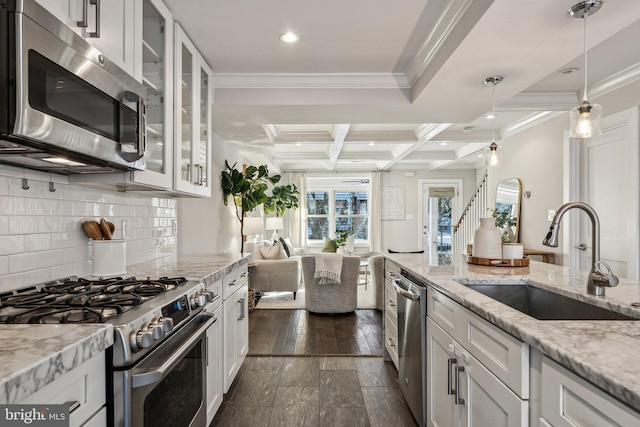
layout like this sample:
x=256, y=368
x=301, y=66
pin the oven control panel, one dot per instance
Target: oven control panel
x=173, y=314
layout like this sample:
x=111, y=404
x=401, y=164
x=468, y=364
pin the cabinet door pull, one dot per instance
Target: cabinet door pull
x=458, y=399
x=450, y=362
x=241, y=302
x=96, y=34
x=206, y=350
x=84, y=23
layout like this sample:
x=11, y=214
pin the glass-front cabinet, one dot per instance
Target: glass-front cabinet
x=193, y=99
x=157, y=76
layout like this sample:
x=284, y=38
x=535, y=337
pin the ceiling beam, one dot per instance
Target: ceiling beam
x=461, y=153
x=424, y=133
x=339, y=133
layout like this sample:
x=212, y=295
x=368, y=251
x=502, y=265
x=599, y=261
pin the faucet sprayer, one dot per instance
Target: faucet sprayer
x=598, y=278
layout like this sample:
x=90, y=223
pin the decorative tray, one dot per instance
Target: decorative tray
x=523, y=262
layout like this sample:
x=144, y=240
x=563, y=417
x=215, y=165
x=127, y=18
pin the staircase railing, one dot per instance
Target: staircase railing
x=470, y=219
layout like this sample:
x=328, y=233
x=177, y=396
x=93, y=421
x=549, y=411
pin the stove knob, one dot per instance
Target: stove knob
x=202, y=300
x=210, y=294
x=166, y=322
x=141, y=340
x=155, y=329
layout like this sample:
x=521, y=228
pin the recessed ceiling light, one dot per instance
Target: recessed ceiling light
x=372, y=143
x=467, y=129
x=567, y=71
x=298, y=144
x=289, y=37
x=443, y=143
x=491, y=116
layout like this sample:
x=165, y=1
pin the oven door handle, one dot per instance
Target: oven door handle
x=155, y=376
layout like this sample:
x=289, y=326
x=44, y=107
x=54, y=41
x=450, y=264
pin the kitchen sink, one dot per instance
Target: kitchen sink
x=545, y=305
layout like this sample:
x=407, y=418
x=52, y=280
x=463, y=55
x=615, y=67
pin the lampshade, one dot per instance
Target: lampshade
x=275, y=223
x=252, y=225
x=585, y=118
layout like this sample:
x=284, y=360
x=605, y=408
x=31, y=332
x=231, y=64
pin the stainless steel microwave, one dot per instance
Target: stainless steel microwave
x=64, y=107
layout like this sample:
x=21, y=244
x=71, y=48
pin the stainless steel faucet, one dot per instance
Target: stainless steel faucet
x=598, y=279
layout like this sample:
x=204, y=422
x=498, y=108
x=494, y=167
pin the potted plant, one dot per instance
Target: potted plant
x=248, y=188
x=341, y=237
x=505, y=222
x=282, y=197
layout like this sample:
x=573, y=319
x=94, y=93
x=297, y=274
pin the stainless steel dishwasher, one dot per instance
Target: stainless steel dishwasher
x=412, y=328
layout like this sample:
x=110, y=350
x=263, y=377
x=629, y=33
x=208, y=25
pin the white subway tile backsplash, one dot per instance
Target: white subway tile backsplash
x=41, y=235
x=4, y=265
x=19, y=263
x=49, y=258
x=37, y=242
x=11, y=245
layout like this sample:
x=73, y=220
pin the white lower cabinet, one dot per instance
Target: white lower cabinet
x=462, y=392
x=85, y=386
x=236, y=332
x=481, y=383
x=215, y=380
x=568, y=400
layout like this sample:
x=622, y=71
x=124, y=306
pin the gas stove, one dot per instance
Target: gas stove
x=144, y=312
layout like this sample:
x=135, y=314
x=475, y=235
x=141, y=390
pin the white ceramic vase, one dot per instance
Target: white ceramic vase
x=487, y=240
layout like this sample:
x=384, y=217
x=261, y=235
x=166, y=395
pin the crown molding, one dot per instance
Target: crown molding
x=615, y=81
x=311, y=81
x=540, y=101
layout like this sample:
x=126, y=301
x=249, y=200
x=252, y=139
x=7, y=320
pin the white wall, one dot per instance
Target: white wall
x=535, y=157
x=207, y=225
x=404, y=235
x=41, y=235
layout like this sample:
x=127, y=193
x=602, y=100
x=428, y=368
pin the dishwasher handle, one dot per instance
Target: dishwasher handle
x=405, y=293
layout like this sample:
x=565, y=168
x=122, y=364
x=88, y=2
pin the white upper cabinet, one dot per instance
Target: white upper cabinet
x=156, y=63
x=193, y=99
x=109, y=25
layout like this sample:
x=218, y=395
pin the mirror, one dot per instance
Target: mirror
x=507, y=211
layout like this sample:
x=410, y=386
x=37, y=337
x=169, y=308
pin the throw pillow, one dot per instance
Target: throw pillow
x=284, y=246
x=274, y=252
x=329, y=245
x=288, y=244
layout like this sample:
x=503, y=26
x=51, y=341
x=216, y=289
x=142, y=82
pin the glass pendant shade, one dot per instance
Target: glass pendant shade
x=585, y=120
x=493, y=155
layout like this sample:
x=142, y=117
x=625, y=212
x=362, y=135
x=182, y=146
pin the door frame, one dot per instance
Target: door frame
x=573, y=174
x=441, y=182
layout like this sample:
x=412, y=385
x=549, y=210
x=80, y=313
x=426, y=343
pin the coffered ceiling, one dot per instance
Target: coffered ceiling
x=378, y=84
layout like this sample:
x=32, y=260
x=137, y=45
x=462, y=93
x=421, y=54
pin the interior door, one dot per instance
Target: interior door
x=609, y=183
x=440, y=201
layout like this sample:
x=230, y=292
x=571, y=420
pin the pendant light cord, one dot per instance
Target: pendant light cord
x=584, y=98
x=493, y=112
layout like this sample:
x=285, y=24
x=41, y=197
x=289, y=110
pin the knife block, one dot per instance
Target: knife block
x=109, y=258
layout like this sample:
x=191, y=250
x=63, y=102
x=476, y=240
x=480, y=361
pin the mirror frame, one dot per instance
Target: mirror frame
x=516, y=238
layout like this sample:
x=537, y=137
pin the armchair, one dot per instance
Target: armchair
x=332, y=297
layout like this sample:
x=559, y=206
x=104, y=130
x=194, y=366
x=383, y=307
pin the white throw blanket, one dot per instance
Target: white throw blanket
x=328, y=268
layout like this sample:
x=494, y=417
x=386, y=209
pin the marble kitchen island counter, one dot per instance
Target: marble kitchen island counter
x=32, y=356
x=605, y=352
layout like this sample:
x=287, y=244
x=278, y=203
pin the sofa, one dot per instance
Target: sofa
x=274, y=275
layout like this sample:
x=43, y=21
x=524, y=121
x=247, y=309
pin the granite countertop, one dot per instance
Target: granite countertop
x=604, y=352
x=32, y=356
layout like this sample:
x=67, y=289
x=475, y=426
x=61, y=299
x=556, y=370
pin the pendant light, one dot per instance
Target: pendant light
x=493, y=153
x=585, y=118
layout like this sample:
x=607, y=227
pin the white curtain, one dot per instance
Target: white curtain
x=375, y=223
x=298, y=217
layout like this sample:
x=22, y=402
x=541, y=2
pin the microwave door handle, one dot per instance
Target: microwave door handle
x=141, y=131
x=84, y=23
x=96, y=34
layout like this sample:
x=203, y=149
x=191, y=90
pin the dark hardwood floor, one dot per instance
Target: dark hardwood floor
x=300, y=333
x=276, y=387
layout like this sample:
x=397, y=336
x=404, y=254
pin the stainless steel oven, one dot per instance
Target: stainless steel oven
x=64, y=106
x=168, y=387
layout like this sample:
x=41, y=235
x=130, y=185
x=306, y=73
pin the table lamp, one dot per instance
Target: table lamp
x=252, y=226
x=275, y=223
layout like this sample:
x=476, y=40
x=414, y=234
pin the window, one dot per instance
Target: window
x=337, y=209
